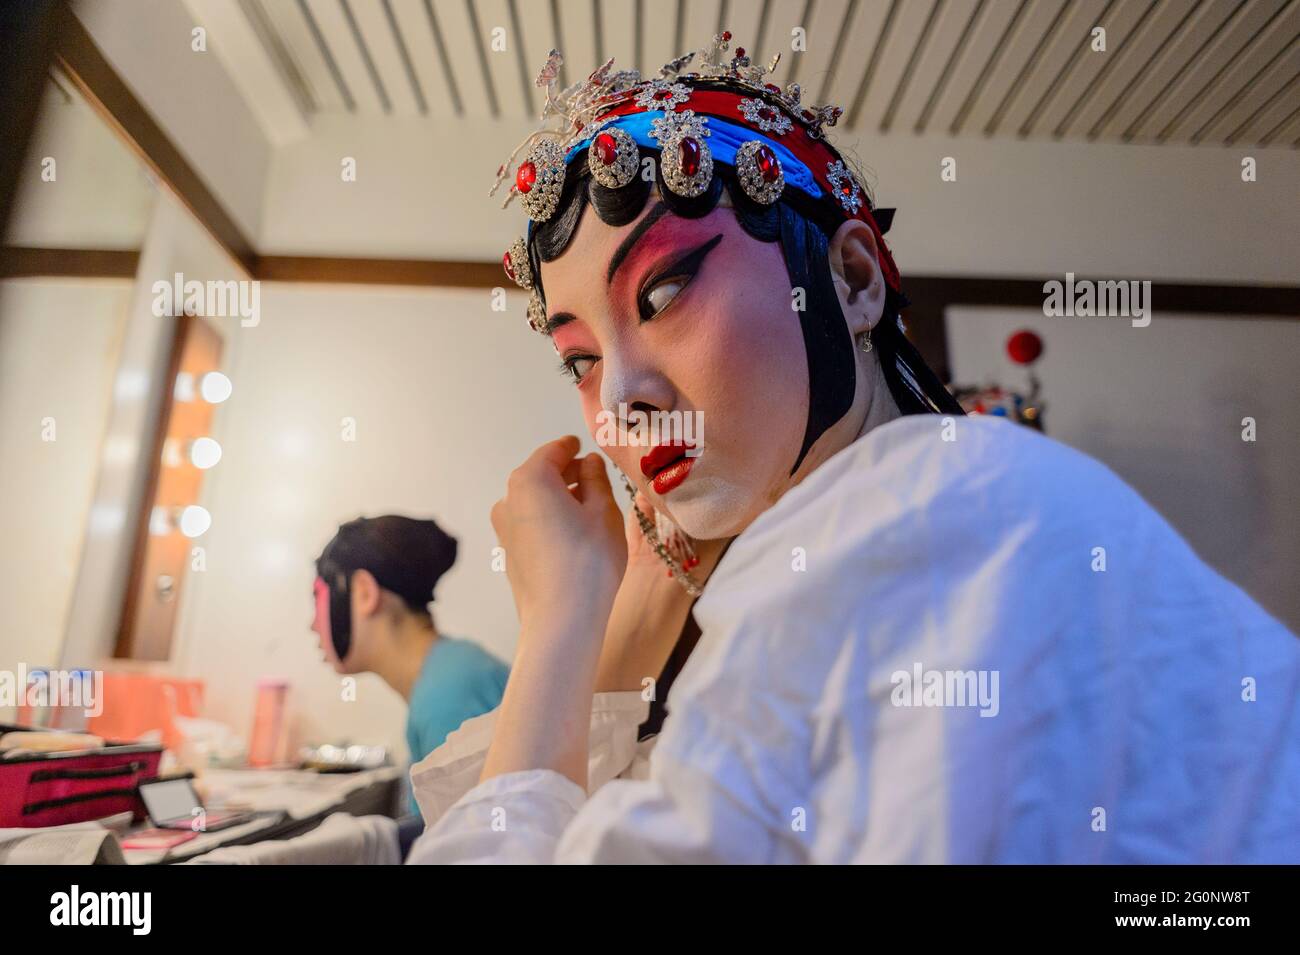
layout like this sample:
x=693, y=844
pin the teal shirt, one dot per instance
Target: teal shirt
x=458, y=680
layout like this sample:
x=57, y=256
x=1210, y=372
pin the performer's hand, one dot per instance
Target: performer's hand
x=562, y=534
x=565, y=555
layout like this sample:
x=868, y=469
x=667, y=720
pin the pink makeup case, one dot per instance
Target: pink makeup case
x=51, y=789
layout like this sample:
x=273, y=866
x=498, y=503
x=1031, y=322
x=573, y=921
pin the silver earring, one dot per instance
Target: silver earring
x=866, y=342
x=651, y=533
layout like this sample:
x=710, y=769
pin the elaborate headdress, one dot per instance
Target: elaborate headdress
x=721, y=111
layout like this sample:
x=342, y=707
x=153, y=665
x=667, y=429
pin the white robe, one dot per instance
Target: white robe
x=1146, y=710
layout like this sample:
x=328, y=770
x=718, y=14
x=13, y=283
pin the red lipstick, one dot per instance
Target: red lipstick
x=667, y=465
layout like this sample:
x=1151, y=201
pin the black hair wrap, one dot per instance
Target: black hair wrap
x=406, y=556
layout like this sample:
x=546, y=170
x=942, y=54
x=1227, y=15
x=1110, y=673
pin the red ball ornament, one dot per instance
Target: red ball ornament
x=1024, y=347
x=525, y=177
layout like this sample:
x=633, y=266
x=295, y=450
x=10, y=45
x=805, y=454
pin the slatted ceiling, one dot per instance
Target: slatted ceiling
x=1153, y=58
x=968, y=74
x=884, y=73
x=304, y=55
x=905, y=84
x=387, y=87
x=658, y=19
x=1287, y=92
x=1134, y=60
x=393, y=58
x=366, y=48
x=618, y=29
x=463, y=52
x=1270, y=85
x=486, y=17
x=820, y=92
x=699, y=24
x=537, y=41
x=781, y=17
x=777, y=21
x=579, y=39
x=947, y=27
x=861, y=22
x=337, y=44
x=1011, y=57
x=1271, y=60
x=1206, y=69
x=418, y=35
x=1272, y=115
x=1186, y=71
x=1102, y=77
x=811, y=69
x=1178, y=59
x=1061, y=62
x=1287, y=132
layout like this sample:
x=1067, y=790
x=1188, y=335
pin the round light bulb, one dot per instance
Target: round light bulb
x=215, y=387
x=184, y=389
x=195, y=521
x=204, y=452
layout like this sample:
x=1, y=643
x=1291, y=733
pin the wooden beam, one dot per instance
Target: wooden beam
x=22, y=262
x=349, y=271
x=927, y=291
x=932, y=294
x=26, y=47
x=99, y=83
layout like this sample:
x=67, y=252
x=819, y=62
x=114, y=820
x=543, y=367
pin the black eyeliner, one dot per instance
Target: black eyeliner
x=686, y=266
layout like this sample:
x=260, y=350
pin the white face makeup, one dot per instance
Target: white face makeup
x=696, y=318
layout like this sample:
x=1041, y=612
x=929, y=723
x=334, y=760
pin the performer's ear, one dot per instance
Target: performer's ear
x=366, y=593
x=856, y=272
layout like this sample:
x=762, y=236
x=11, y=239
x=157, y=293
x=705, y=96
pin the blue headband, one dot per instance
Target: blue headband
x=725, y=138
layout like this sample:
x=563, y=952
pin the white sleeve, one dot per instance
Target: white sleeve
x=728, y=782
x=1081, y=711
x=453, y=769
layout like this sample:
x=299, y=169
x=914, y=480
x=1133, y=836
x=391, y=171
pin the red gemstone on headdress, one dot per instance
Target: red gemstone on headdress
x=662, y=94
x=726, y=35
x=771, y=87
x=508, y=266
x=606, y=149
x=740, y=51
x=525, y=177
x=688, y=152
x=847, y=188
x=766, y=160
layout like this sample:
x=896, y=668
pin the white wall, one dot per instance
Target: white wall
x=447, y=397
x=1017, y=208
x=59, y=343
x=1163, y=407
